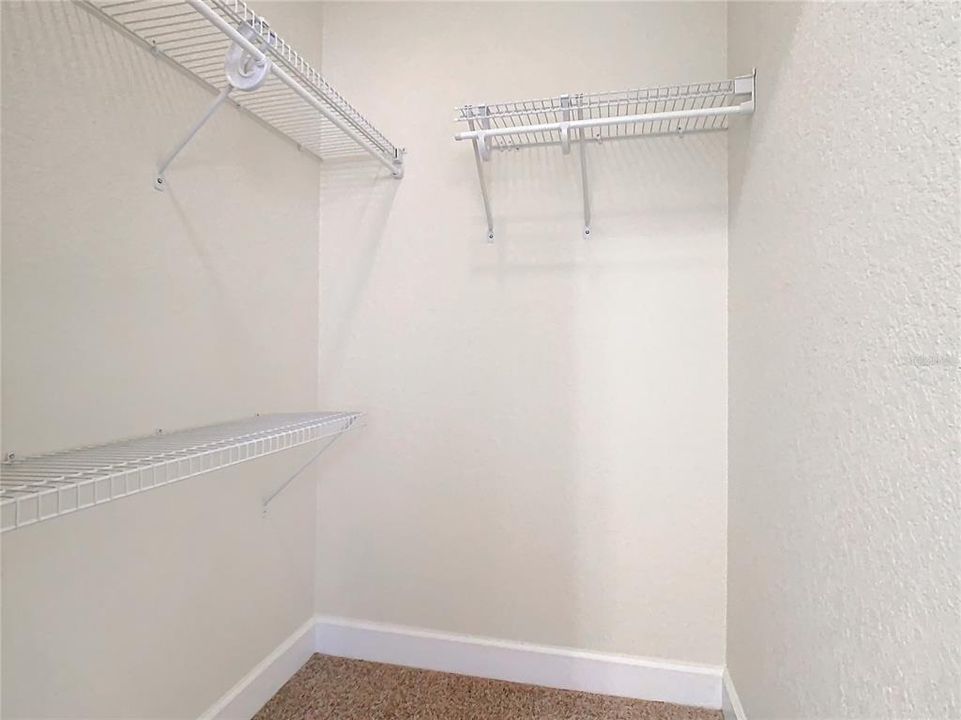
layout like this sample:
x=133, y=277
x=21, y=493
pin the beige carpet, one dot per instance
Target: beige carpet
x=328, y=688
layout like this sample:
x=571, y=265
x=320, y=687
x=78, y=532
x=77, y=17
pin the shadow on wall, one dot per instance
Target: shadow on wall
x=81, y=35
x=532, y=400
x=645, y=193
x=617, y=342
x=356, y=196
x=758, y=19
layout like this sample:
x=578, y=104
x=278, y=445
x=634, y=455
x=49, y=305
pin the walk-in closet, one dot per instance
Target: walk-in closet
x=480, y=360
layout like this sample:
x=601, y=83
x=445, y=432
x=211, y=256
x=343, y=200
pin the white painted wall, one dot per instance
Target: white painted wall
x=546, y=451
x=125, y=310
x=844, y=547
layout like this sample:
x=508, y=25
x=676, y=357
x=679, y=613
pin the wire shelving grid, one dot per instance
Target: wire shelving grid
x=578, y=119
x=295, y=99
x=38, y=488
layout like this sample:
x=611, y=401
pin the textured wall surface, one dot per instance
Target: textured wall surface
x=844, y=540
x=125, y=310
x=545, y=455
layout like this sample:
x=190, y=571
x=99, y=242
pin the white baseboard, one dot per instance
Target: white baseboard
x=245, y=698
x=556, y=667
x=730, y=702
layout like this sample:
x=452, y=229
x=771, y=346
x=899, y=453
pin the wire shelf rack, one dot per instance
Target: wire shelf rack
x=580, y=118
x=294, y=98
x=38, y=488
x=622, y=114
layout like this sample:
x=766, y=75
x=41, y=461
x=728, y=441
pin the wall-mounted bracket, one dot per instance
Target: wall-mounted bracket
x=746, y=85
x=585, y=190
x=565, y=128
x=483, y=125
x=351, y=422
x=480, y=120
x=398, y=163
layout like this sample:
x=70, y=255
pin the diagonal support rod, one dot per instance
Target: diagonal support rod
x=585, y=190
x=478, y=159
x=160, y=181
x=270, y=498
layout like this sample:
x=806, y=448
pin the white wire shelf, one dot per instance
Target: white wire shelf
x=293, y=98
x=608, y=115
x=578, y=119
x=38, y=488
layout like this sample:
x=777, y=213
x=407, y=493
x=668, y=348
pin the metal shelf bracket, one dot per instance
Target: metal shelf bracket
x=479, y=122
x=746, y=85
x=283, y=486
x=585, y=189
x=565, y=128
